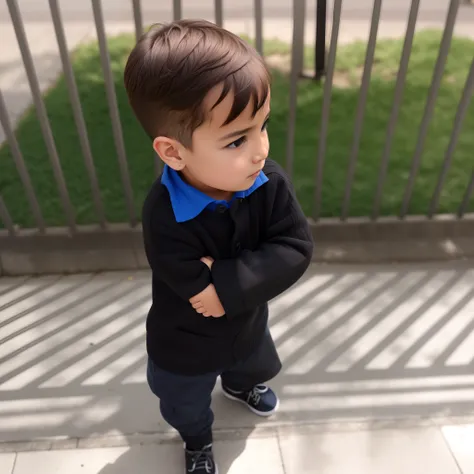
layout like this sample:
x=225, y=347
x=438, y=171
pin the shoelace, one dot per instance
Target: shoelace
x=255, y=395
x=201, y=460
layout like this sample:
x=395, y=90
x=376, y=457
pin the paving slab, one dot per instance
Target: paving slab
x=260, y=456
x=368, y=452
x=7, y=461
x=233, y=457
x=94, y=461
x=461, y=442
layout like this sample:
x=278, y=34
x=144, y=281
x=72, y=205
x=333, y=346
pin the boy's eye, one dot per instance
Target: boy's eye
x=265, y=125
x=237, y=143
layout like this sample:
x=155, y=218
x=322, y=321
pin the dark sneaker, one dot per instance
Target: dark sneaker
x=201, y=462
x=262, y=400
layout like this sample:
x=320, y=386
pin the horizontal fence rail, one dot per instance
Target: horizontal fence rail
x=326, y=70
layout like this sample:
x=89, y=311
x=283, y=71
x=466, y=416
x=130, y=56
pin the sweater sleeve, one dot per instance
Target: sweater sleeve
x=256, y=277
x=174, y=257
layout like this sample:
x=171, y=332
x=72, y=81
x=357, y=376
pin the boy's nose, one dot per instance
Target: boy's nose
x=261, y=154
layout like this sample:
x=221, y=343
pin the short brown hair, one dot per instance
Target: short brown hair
x=173, y=67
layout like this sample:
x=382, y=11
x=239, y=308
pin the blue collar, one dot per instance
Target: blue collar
x=188, y=202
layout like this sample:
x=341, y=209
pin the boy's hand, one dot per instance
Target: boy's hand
x=208, y=303
x=208, y=261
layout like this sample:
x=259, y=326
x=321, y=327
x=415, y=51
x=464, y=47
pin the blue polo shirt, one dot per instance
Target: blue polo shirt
x=188, y=202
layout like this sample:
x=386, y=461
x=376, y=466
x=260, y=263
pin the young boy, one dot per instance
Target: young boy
x=223, y=231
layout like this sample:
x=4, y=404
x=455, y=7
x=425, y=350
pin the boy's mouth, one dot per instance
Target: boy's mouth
x=254, y=175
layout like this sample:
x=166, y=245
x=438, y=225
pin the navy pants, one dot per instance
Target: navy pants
x=185, y=401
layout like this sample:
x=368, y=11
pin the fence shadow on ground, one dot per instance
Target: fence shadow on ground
x=357, y=343
x=169, y=458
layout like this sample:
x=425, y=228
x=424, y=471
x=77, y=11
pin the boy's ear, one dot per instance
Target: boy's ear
x=169, y=151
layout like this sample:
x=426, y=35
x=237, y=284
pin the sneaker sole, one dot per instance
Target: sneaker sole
x=264, y=414
x=187, y=472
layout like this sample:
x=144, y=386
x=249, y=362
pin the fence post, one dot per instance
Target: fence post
x=296, y=66
x=177, y=10
x=113, y=111
x=361, y=105
x=21, y=166
x=137, y=16
x=430, y=104
x=6, y=218
x=258, y=7
x=397, y=101
x=320, y=44
x=458, y=121
x=326, y=109
x=467, y=197
x=218, y=12
x=42, y=113
x=77, y=110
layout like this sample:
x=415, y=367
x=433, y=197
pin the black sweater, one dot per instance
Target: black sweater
x=261, y=246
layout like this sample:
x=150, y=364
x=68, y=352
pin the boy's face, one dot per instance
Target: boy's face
x=226, y=159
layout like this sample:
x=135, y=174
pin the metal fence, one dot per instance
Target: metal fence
x=295, y=74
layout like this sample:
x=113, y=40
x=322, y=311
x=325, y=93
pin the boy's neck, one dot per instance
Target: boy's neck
x=216, y=194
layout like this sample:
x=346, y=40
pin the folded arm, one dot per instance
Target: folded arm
x=256, y=277
x=176, y=260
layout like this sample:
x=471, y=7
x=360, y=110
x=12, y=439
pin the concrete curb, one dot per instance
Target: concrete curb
x=91, y=249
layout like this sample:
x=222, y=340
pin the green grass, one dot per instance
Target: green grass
x=350, y=60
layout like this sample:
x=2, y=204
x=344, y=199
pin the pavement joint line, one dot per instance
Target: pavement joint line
x=275, y=430
x=280, y=449
x=15, y=459
x=448, y=446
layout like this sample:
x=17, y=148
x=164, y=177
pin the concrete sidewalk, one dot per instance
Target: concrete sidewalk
x=447, y=450
x=378, y=377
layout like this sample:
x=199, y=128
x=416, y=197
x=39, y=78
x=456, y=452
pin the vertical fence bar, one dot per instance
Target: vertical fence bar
x=77, y=110
x=177, y=10
x=467, y=197
x=458, y=121
x=41, y=112
x=359, y=121
x=326, y=108
x=296, y=66
x=320, y=43
x=6, y=218
x=21, y=166
x=430, y=103
x=113, y=110
x=258, y=8
x=397, y=101
x=137, y=17
x=219, y=12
